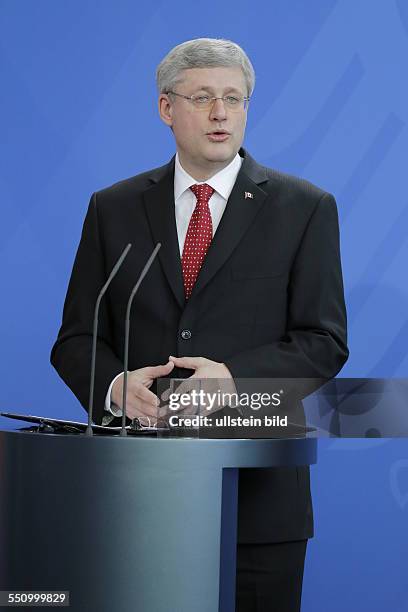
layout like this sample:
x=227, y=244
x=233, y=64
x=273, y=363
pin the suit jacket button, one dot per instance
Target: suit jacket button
x=186, y=334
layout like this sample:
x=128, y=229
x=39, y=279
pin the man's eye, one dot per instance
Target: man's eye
x=202, y=99
x=233, y=100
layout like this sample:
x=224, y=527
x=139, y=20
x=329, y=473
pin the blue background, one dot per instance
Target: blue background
x=78, y=110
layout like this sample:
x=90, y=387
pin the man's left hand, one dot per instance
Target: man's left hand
x=203, y=368
x=217, y=376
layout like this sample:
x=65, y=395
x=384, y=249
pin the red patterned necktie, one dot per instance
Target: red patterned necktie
x=198, y=238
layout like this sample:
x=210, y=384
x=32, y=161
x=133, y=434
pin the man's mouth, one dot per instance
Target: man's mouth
x=218, y=135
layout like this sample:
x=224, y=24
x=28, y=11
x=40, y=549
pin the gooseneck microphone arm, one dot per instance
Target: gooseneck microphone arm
x=145, y=270
x=115, y=269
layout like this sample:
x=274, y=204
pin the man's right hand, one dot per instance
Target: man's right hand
x=140, y=402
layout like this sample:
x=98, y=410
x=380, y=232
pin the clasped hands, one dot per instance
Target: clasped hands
x=141, y=402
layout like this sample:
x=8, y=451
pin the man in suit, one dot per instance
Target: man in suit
x=247, y=284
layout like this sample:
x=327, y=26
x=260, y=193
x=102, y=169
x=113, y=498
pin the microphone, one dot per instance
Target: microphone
x=145, y=270
x=115, y=269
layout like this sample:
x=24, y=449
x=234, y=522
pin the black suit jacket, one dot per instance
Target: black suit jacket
x=268, y=303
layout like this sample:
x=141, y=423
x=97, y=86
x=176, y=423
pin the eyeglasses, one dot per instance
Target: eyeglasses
x=203, y=102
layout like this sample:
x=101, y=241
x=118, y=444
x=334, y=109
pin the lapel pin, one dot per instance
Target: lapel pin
x=248, y=194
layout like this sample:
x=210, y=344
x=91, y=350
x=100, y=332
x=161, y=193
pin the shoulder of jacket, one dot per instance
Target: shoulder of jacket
x=131, y=186
x=296, y=186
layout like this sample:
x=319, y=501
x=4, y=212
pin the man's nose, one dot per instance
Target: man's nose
x=218, y=111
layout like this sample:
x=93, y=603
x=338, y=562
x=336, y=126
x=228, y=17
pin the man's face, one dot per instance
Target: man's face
x=207, y=140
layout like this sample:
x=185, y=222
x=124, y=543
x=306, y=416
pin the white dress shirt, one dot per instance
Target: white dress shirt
x=185, y=201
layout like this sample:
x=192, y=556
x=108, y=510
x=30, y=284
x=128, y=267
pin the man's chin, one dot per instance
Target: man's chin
x=220, y=154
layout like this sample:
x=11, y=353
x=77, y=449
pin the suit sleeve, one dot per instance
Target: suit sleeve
x=71, y=353
x=315, y=343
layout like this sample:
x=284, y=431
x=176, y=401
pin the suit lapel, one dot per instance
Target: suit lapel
x=159, y=205
x=244, y=203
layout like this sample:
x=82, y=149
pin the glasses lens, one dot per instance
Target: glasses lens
x=202, y=101
x=234, y=103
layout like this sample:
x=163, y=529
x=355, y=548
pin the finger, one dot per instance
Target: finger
x=159, y=370
x=165, y=395
x=191, y=363
x=135, y=408
x=146, y=408
x=176, y=408
x=183, y=387
x=186, y=386
x=186, y=397
x=140, y=391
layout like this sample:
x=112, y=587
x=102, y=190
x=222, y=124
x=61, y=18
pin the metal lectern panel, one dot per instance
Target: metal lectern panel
x=127, y=523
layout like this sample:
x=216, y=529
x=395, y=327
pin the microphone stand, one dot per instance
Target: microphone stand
x=115, y=269
x=145, y=270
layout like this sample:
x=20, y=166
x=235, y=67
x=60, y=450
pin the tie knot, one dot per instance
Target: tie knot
x=202, y=192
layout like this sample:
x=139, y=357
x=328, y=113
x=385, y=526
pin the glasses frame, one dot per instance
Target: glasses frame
x=191, y=99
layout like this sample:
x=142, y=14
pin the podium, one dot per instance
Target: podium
x=144, y=524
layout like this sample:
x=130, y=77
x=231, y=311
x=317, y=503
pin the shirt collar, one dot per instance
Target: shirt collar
x=222, y=182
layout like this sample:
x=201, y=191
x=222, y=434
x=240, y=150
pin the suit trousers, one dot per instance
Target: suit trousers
x=270, y=576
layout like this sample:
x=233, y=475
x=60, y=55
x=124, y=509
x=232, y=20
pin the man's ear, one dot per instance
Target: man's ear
x=165, y=109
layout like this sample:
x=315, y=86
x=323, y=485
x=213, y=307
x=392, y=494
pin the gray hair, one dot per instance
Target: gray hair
x=203, y=53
